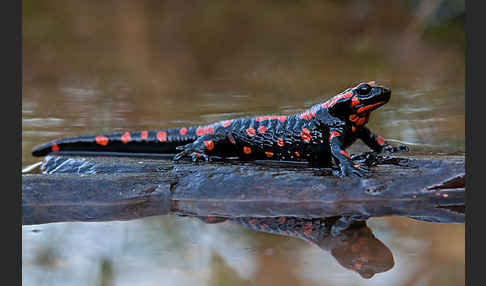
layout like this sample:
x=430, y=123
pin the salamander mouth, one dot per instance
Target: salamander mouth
x=370, y=107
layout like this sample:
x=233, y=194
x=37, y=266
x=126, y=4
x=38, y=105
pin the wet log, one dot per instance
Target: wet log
x=115, y=188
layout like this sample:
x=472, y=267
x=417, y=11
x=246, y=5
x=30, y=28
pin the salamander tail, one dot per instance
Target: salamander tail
x=150, y=142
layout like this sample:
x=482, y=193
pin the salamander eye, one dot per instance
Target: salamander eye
x=363, y=89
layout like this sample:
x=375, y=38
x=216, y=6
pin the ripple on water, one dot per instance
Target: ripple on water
x=42, y=122
x=42, y=134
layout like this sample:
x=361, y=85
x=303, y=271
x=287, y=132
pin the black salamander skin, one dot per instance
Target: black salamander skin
x=317, y=135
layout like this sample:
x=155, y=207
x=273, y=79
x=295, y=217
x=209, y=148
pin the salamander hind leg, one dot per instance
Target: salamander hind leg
x=201, y=148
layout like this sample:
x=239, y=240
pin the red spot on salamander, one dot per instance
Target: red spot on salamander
x=269, y=154
x=55, y=147
x=250, y=131
x=297, y=154
x=346, y=95
x=126, y=137
x=359, y=120
x=231, y=140
x=270, y=117
x=305, y=134
x=308, y=115
x=308, y=228
x=364, y=108
x=200, y=131
x=345, y=154
x=162, y=136
x=183, y=131
x=380, y=140
x=336, y=98
x=246, y=150
x=280, y=142
x=353, y=128
x=101, y=140
x=333, y=134
x=209, y=144
x=226, y=123
x=144, y=135
x=354, y=101
x=353, y=117
x=262, y=129
x=305, y=115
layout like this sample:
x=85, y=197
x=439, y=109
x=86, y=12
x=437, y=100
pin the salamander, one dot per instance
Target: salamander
x=317, y=135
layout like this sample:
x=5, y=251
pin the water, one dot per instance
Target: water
x=85, y=71
x=183, y=251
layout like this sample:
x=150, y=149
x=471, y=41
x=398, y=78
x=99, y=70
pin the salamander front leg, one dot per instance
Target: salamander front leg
x=347, y=166
x=377, y=143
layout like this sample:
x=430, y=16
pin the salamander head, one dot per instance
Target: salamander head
x=358, y=101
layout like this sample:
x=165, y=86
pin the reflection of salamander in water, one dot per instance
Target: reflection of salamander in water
x=317, y=135
x=355, y=247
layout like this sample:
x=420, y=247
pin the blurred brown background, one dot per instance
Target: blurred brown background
x=286, y=45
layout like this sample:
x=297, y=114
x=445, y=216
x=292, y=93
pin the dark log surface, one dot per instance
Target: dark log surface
x=116, y=188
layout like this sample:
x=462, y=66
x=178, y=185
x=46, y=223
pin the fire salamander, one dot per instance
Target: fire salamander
x=317, y=135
